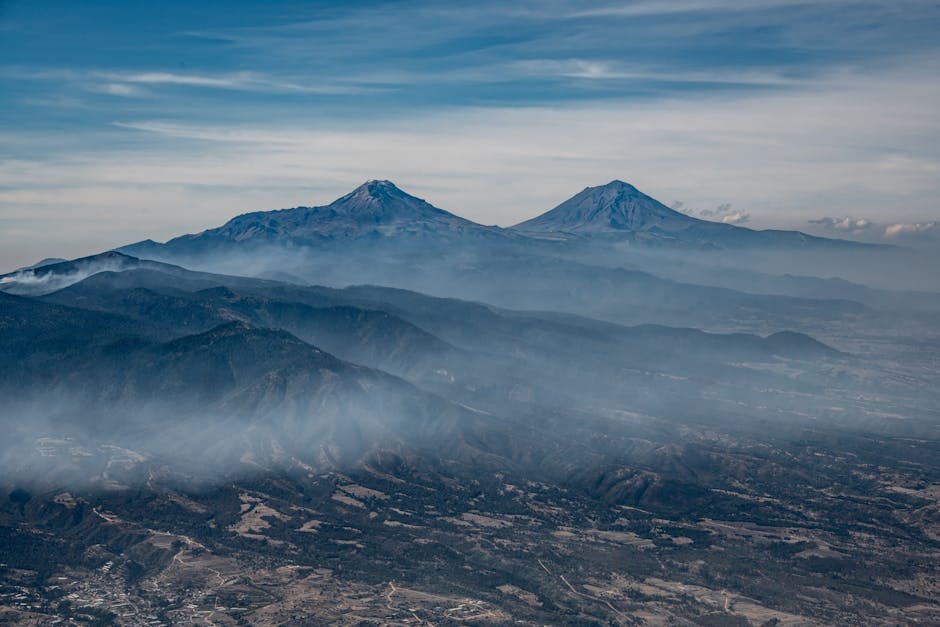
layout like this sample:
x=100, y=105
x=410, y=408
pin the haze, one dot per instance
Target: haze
x=394, y=313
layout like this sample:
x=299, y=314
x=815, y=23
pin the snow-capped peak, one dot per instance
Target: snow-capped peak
x=616, y=206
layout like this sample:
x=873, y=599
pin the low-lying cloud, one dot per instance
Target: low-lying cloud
x=908, y=228
x=869, y=229
x=845, y=224
x=37, y=280
x=722, y=213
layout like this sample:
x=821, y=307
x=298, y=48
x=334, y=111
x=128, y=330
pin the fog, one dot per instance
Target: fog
x=71, y=443
x=502, y=357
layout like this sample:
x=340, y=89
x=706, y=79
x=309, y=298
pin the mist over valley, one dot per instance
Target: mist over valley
x=312, y=390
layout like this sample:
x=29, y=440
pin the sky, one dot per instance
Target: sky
x=122, y=121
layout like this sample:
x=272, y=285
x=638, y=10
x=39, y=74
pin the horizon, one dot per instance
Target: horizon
x=116, y=248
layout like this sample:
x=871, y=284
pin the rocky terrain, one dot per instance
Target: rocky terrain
x=562, y=423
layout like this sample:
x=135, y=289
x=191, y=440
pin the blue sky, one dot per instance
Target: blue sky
x=127, y=120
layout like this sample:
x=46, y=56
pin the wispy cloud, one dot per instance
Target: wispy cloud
x=783, y=155
x=239, y=80
x=130, y=82
x=639, y=8
x=116, y=89
x=734, y=42
x=214, y=133
x=791, y=109
x=242, y=81
x=610, y=70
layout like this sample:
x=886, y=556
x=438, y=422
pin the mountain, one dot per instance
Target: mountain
x=517, y=281
x=48, y=261
x=621, y=211
x=173, y=304
x=240, y=469
x=31, y=331
x=231, y=391
x=469, y=352
x=46, y=278
x=181, y=447
x=572, y=258
x=374, y=210
x=377, y=325
x=232, y=359
x=614, y=207
x=380, y=213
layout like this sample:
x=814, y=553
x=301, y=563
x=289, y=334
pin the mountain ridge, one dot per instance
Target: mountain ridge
x=619, y=209
x=379, y=211
x=615, y=206
x=374, y=210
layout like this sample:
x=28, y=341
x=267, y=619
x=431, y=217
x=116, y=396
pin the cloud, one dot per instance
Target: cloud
x=873, y=230
x=129, y=82
x=612, y=70
x=668, y=7
x=736, y=217
x=677, y=45
x=780, y=154
x=722, y=213
x=242, y=81
x=116, y=89
x=845, y=224
x=910, y=228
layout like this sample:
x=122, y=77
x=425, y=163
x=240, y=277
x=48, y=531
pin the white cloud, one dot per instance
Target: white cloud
x=125, y=83
x=116, y=89
x=736, y=217
x=242, y=81
x=871, y=230
x=665, y=7
x=608, y=70
x=724, y=213
x=238, y=80
x=901, y=228
x=847, y=224
x=787, y=157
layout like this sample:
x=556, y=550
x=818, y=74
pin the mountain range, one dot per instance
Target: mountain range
x=379, y=209
x=610, y=252
x=378, y=412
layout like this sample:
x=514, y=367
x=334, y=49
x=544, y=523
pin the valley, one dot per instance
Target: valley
x=788, y=532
